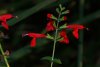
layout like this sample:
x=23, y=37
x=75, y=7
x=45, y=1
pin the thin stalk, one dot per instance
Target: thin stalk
x=55, y=40
x=80, y=51
x=3, y=54
x=80, y=47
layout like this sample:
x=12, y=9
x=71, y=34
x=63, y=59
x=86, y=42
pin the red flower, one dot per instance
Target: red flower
x=4, y=19
x=34, y=36
x=64, y=36
x=50, y=26
x=49, y=15
x=65, y=18
x=76, y=28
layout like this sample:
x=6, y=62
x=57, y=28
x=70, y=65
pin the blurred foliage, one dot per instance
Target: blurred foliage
x=32, y=18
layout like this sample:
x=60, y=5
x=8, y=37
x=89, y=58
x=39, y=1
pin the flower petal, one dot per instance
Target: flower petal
x=49, y=15
x=5, y=25
x=65, y=40
x=36, y=35
x=39, y=35
x=65, y=18
x=7, y=16
x=50, y=26
x=75, y=33
x=33, y=42
x=73, y=26
x=64, y=36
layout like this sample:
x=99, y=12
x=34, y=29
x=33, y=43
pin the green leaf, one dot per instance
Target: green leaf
x=61, y=8
x=58, y=61
x=57, y=10
x=53, y=17
x=60, y=39
x=63, y=26
x=65, y=12
x=58, y=36
x=49, y=36
x=47, y=58
x=62, y=19
x=54, y=24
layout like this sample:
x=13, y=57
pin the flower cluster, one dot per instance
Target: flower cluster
x=75, y=27
x=54, y=25
x=60, y=31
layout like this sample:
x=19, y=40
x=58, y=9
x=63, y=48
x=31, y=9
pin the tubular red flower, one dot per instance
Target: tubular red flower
x=6, y=16
x=4, y=19
x=34, y=36
x=5, y=25
x=50, y=26
x=49, y=15
x=65, y=18
x=33, y=42
x=75, y=28
x=64, y=36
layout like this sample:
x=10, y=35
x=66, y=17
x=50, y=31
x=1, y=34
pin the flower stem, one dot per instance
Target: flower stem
x=80, y=47
x=80, y=50
x=55, y=40
x=5, y=59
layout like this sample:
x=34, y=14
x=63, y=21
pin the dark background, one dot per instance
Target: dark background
x=32, y=18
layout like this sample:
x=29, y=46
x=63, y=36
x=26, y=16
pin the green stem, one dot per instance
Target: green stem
x=5, y=59
x=55, y=40
x=80, y=51
x=80, y=48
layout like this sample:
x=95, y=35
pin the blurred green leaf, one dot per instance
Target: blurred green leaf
x=57, y=10
x=49, y=36
x=65, y=12
x=53, y=17
x=48, y=58
x=63, y=26
x=58, y=61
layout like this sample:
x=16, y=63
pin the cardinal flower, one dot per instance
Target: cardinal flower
x=50, y=26
x=4, y=18
x=75, y=28
x=34, y=36
x=64, y=36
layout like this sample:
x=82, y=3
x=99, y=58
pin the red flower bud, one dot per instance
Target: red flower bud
x=49, y=15
x=65, y=18
x=50, y=26
x=64, y=36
